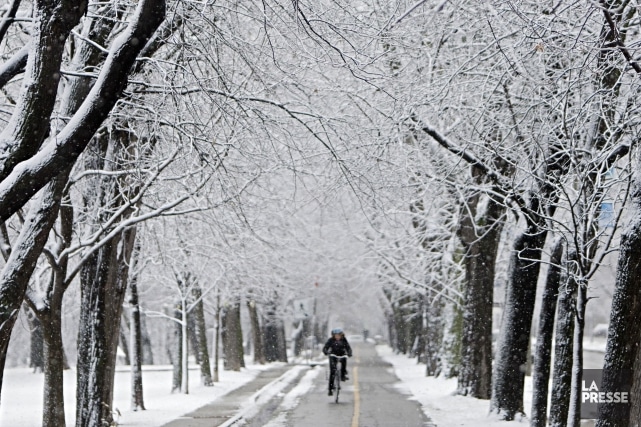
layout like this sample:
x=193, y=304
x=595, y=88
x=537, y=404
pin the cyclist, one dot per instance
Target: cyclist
x=337, y=344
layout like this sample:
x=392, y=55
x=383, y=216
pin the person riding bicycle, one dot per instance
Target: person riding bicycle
x=337, y=345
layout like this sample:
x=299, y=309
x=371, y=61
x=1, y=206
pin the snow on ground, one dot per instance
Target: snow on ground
x=21, y=400
x=438, y=399
x=291, y=399
x=252, y=405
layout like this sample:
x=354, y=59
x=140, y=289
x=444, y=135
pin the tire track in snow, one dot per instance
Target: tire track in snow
x=291, y=399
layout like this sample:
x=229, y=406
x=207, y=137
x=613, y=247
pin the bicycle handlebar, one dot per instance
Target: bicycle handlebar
x=337, y=357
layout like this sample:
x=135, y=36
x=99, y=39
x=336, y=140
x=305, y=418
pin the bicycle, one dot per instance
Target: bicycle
x=337, y=374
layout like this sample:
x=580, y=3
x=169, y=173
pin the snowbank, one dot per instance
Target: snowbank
x=21, y=401
x=438, y=399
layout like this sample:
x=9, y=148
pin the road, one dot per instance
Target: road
x=369, y=399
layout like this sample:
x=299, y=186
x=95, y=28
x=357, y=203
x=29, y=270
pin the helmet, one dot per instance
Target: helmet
x=337, y=331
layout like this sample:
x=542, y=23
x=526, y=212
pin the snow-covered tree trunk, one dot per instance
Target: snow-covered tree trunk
x=543, y=352
x=53, y=412
x=281, y=346
x=184, y=314
x=433, y=333
x=176, y=352
x=623, y=342
x=574, y=414
x=104, y=280
x=635, y=392
x=192, y=331
x=405, y=330
x=232, y=337
x=217, y=328
x=201, y=338
x=563, y=351
x=415, y=330
x=481, y=240
x=274, y=335
x=257, y=335
x=514, y=340
x=137, y=400
x=451, y=351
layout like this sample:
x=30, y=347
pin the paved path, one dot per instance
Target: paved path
x=369, y=399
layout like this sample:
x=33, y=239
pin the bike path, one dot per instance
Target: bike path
x=370, y=398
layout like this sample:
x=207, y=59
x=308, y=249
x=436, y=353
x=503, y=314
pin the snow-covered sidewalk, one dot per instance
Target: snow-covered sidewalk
x=438, y=399
x=21, y=402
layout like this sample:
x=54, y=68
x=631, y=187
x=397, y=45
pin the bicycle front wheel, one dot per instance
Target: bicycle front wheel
x=337, y=384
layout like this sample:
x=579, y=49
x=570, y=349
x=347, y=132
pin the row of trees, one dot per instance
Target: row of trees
x=521, y=126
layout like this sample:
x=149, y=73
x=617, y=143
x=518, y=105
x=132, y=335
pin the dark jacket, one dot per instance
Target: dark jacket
x=338, y=347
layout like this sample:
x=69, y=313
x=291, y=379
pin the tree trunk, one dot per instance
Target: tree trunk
x=563, y=350
x=416, y=327
x=274, y=336
x=433, y=336
x=391, y=330
x=103, y=285
x=482, y=245
x=282, y=339
x=452, y=340
x=53, y=412
x=217, y=338
x=177, y=353
x=403, y=330
x=201, y=335
x=514, y=340
x=185, y=344
x=625, y=318
x=543, y=353
x=137, y=400
x=635, y=392
x=257, y=336
x=98, y=275
x=232, y=336
x=574, y=415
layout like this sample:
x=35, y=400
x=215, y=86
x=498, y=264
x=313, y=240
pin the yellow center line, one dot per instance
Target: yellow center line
x=357, y=397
